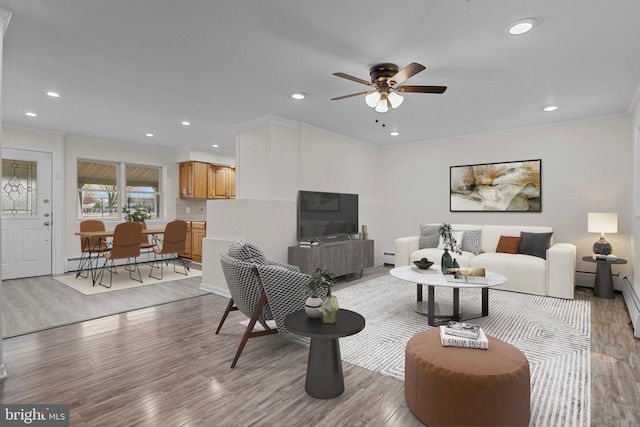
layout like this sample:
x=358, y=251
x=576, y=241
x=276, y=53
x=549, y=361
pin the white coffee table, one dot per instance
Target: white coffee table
x=433, y=277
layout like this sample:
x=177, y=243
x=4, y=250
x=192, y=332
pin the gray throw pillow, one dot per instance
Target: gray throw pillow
x=471, y=241
x=429, y=236
x=535, y=244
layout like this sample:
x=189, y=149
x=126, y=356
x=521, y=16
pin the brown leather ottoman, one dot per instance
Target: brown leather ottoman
x=450, y=386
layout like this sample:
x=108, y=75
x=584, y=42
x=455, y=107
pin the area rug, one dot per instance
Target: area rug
x=122, y=281
x=553, y=334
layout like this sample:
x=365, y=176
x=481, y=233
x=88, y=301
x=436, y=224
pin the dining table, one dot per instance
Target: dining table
x=100, y=236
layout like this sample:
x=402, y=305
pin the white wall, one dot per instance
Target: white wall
x=635, y=196
x=277, y=158
x=83, y=148
x=585, y=168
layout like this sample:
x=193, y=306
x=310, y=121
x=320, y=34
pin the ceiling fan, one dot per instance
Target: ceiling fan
x=385, y=79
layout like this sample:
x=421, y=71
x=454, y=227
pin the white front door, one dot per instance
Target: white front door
x=26, y=213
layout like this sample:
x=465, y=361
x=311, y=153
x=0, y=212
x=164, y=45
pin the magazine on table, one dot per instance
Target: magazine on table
x=462, y=329
x=453, y=341
x=459, y=278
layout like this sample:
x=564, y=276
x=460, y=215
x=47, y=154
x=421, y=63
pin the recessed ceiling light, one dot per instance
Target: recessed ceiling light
x=149, y=135
x=53, y=94
x=186, y=123
x=394, y=133
x=298, y=95
x=215, y=146
x=550, y=108
x=30, y=114
x=522, y=26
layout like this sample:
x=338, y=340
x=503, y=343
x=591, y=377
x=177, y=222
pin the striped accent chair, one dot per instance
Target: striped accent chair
x=262, y=290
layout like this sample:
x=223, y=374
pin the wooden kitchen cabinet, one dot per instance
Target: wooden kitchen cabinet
x=232, y=183
x=186, y=180
x=198, y=232
x=193, y=180
x=220, y=182
x=201, y=180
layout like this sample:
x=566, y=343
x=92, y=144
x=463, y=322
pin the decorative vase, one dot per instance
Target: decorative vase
x=312, y=307
x=455, y=264
x=446, y=261
x=329, y=309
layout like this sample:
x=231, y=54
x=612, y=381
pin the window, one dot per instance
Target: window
x=104, y=189
x=143, y=188
x=19, y=188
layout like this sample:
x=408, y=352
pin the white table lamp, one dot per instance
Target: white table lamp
x=599, y=222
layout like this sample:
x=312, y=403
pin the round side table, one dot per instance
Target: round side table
x=324, y=369
x=603, y=286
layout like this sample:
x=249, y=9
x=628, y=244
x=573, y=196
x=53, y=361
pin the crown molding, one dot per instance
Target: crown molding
x=5, y=16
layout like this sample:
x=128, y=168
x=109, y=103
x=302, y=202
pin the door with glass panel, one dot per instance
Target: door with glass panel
x=26, y=213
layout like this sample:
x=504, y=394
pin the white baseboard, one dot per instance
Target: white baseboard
x=632, y=300
x=224, y=292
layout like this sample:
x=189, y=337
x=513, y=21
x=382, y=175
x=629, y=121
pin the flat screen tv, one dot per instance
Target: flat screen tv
x=326, y=214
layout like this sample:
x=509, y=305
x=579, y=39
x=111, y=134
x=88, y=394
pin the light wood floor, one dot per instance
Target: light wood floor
x=164, y=366
x=38, y=303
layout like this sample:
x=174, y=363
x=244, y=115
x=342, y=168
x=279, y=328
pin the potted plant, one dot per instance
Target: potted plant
x=139, y=213
x=319, y=281
x=450, y=244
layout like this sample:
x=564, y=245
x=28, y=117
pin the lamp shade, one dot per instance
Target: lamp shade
x=372, y=99
x=395, y=99
x=600, y=222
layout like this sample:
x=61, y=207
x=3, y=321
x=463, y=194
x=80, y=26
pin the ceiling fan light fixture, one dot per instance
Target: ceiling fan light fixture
x=521, y=26
x=372, y=99
x=382, y=106
x=395, y=100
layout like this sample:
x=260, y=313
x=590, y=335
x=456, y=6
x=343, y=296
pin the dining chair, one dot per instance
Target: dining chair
x=173, y=242
x=91, y=246
x=125, y=245
x=144, y=242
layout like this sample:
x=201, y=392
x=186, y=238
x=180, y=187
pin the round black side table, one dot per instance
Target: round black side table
x=324, y=368
x=603, y=286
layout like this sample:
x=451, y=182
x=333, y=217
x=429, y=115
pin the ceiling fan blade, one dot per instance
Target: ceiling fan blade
x=421, y=89
x=406, y=73
x=352, y=95
x=353, y=79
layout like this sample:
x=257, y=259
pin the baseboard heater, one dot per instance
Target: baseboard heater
x=633, y=305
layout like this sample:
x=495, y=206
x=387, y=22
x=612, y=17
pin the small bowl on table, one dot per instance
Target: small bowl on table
x=422, y=264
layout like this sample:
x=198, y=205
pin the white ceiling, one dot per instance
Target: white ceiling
x=125, y=68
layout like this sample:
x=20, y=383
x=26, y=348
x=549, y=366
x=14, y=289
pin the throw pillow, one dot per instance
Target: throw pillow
x=457, y=235
x=508, y=244
x=428, y=236
x=471, y=241
x=535, y=244
x=247, y=252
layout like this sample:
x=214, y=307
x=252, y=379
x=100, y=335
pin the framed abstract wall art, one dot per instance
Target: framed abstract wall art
x=496, y=187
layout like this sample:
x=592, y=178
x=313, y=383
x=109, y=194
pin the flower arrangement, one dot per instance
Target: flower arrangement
x=450, y=242
x=139, y=213
x=318, y=281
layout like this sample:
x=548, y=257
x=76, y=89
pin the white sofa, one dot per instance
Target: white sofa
x=553, y=276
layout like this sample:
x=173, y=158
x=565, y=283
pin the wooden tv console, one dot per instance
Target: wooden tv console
x=340, y=258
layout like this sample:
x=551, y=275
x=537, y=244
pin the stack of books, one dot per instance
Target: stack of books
x=460, y=334
x=605, y=257
x=308, y=244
